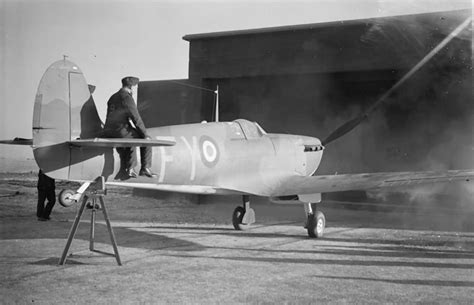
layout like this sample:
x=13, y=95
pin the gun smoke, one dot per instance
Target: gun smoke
x=426, y=125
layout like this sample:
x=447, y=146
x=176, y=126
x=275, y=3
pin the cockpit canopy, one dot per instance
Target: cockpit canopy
x=243, y=129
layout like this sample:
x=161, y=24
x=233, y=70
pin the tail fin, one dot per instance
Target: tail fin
x=61, y=100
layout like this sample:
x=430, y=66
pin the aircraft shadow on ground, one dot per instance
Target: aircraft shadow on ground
x=201, y=230
x=125, y=236
x=420, y=242
x=53, y=261
x=401, y=219
x=458, y=253
x=443, y=283
x=372, y=252
x=155, y=240
x=338, y=262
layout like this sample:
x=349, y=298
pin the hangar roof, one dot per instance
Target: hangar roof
x=285, y=28
x=309, y=26
x=388, y=44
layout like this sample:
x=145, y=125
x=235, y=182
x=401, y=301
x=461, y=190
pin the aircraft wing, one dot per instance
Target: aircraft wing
x=191, y=189
x=121, y=142
x=348, y=182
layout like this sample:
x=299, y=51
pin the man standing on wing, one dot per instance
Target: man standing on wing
x=124, y=121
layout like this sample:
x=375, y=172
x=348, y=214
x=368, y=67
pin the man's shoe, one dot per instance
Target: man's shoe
x=121, y=175
x=126, y=174
x=131, y=173
x=42, y=219
x=147, y=172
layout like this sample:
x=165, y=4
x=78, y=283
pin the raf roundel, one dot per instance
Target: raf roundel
x=209, y=151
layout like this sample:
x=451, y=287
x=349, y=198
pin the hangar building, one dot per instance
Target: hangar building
x=309, y=79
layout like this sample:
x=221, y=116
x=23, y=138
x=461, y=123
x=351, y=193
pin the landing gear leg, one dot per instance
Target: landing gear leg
x=244, y=215
x=315, y=221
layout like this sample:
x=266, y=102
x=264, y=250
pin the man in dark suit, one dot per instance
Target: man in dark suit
x=46, y=190
x=124, y=121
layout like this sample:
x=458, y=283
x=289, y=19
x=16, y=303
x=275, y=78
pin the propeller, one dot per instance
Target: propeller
x=345, y=128
x=348, y=126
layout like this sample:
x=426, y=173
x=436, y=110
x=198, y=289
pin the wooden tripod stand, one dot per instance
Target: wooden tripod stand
x=91, y=198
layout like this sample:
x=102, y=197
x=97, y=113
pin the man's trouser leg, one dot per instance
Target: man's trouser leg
x=133, y=157
x=40, y=205
x=51, y=201
x=146, y=154
x=127, y=157
x=120, y=152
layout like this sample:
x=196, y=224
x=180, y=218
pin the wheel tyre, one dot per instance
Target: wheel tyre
x=64, y=198
x=237, y=217
x=316, y=225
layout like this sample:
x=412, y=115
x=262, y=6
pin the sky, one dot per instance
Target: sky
x=109, y=39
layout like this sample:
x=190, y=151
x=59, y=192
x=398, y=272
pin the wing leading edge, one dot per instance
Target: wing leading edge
x=191, y=189
x=349, y=182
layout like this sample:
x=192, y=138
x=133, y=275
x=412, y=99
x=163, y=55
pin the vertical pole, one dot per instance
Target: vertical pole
x=111, y=232
x=72, y=233
x=217, y=103
x=92, y=233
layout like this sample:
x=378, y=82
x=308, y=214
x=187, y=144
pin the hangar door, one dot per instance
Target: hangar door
x=293, y=103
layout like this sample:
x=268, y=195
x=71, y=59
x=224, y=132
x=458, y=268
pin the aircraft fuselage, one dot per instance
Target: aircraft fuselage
x=231, y=156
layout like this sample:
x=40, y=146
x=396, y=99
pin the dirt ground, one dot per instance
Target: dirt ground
x=177, y=251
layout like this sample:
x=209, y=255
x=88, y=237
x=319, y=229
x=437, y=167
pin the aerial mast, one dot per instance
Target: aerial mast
x=217, y=103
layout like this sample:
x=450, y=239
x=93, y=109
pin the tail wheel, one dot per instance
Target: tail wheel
x=237, y=217
x=65, y=198
x=316, y=224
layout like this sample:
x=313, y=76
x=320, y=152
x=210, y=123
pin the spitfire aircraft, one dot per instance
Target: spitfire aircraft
x=216, y=158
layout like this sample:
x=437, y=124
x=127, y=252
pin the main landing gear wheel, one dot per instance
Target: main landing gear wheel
x=65, y=198
x=243, y=216
x=316, y=224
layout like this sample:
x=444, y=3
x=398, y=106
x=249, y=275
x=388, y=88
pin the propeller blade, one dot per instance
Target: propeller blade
x=342, y=130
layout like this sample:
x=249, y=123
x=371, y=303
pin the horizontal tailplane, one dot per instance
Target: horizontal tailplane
x=118, y=142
